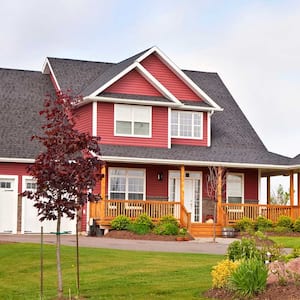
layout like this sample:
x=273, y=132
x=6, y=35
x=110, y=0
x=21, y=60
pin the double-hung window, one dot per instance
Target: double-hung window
x=235, y=188
x=126, y=184
x=133, y=120
x=187, y=124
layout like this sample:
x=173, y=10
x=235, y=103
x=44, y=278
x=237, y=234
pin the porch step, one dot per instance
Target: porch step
x=205, y=230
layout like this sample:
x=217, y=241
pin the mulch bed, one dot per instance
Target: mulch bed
x=124, y=234
x=273, y=292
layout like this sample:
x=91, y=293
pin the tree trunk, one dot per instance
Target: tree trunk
x=214, y=224
x=58, y=259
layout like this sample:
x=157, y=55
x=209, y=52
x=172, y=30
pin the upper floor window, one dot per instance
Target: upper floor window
x=133, y=120
x=235, y=188
x=187, y=124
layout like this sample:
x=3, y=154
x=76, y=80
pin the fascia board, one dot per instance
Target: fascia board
x=113, y=80
x=89, y=99
x=146, y=54
x=48, y=65
x=156, y=161
x=151, y=79
x=195, y=88
x=17, y=160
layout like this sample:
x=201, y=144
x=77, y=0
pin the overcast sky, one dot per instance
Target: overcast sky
x=253, y=45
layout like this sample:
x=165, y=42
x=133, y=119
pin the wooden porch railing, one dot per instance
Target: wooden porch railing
x=107, y=210
x=234, y=212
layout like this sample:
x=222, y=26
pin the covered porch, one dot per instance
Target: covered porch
x=105, y=210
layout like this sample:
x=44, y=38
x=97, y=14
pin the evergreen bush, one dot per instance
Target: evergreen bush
x=121, y=222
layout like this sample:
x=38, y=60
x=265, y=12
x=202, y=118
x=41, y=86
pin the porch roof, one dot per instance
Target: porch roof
x=237, y=157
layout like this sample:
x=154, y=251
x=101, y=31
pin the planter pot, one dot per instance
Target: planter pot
x=228, y=232
x=180, y=238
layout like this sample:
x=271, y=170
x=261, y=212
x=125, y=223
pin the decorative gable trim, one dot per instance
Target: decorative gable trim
x=152, y=80
x=47, y=69
x=195, y=88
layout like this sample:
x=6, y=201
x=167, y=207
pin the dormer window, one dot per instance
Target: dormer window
x=187, y=124
x=133, y=120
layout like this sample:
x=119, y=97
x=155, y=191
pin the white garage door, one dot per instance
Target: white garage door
x=30, y=219
x=8, y=204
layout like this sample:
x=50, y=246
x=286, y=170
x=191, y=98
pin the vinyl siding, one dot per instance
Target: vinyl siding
x=167, y=78
x=105, y=128
x=133, y=83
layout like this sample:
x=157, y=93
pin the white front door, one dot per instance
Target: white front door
x=192, y=192
x=30, y=219
x=8, y=204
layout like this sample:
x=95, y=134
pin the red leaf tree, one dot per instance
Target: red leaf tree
x=67, y=168
x=216, y=182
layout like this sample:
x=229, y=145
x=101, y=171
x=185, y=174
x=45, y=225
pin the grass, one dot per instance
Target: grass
x=286, y=242
x=105, y=274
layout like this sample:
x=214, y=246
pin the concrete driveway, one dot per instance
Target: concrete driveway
x=201, y=245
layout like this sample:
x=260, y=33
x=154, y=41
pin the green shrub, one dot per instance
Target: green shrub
x=168, y=219
x=121, y=222
x=222, y=272
x=281, y=229
x=167, y=225
x=249, y=278
x=144, y=219
x=166, y=229
x=245, y=225
x=141, y=225
x=285, y=221
x=263, y=224
x=243, y=249
x=297, y=225
x=139, y=228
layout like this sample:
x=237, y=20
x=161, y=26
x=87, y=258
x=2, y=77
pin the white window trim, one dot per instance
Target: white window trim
x=126, y=187
x=243, y=185
x=132, y=121
x=188, y=137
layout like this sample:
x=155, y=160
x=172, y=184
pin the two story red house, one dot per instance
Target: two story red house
x=161, y=128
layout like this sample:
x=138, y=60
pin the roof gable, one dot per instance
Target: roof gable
x=159, y=71
x=133, y=83
x=169, y=78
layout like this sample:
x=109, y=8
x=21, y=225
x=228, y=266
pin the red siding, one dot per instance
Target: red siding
x=105, y=128
x=251, y=185
x=195, y=142
x=133, y=83
x=155, y=189
x=168, y=78
x=83, y=118
x=14, y=169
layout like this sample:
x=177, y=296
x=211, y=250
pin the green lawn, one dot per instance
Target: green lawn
x=105, y=274
x=286, y=242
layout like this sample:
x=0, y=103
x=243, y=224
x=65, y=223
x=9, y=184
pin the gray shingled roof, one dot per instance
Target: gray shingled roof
x=22, y=96
x=110, y=73
x=296, y=160
x=75, y=75
x=22, y=93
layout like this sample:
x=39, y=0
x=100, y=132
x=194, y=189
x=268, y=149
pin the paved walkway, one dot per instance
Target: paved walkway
x=201, y=245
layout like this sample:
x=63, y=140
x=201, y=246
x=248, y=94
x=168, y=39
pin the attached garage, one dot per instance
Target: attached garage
x=8, y=203
x=30, y=219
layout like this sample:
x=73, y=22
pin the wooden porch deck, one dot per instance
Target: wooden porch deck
x=104, y=211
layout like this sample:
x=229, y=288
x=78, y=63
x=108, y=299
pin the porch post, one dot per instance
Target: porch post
x=298, y=188
x=219, y=196
x=103, y=186
x=291, y=188
x=182, y=175
x=268, y=190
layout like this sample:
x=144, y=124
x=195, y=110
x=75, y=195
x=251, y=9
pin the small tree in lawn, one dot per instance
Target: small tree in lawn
x=66, y=169
x=212, y=189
